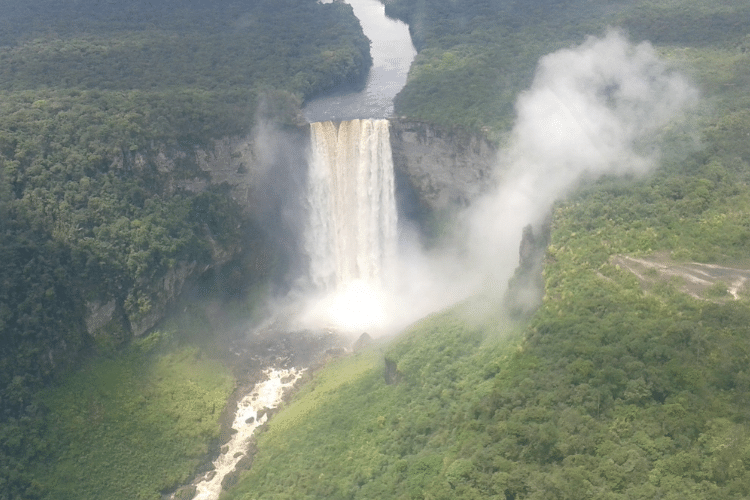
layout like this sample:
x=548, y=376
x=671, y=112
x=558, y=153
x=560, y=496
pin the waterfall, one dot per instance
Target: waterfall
x=351, y=236
x=351, y=231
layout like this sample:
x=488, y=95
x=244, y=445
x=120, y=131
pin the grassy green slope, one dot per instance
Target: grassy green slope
x=131, y=426
x=349, y=434
x=134, y=423
x=611, y=393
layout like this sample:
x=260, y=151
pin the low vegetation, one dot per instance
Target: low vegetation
x=130, y=426
x=366, y=438
x=609, y=393
x=159, y=417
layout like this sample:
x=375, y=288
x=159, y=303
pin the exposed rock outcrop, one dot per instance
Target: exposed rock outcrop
x=446, y=168
x=265, y=173
x=166, y=290
x=391, y=373
x=99, y=315
x=263, y=169
x=526, y=286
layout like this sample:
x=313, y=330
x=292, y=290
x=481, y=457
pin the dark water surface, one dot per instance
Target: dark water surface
x=392, y=54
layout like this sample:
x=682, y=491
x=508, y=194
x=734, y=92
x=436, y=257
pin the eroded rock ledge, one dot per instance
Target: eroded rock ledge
x=447, y=168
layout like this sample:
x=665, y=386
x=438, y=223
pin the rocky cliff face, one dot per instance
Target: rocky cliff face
x=266, y=174
x=445, y=168
x=263, y=169
x=266, y=170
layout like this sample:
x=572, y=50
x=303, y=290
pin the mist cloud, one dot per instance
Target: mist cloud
x=591, y=110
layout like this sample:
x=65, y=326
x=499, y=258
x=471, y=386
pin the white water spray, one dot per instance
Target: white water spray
x=597, y=109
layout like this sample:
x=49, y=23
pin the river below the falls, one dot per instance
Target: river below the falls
x=252, y=412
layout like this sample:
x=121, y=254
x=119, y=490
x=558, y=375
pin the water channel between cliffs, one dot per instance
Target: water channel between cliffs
x=392, y=54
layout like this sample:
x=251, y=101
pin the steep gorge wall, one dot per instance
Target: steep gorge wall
x=266, y=174
x=445, y=168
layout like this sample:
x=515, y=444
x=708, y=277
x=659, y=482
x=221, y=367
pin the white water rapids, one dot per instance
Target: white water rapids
x=265, y=395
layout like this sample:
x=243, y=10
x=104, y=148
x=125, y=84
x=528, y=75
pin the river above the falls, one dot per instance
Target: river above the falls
x=392, y=54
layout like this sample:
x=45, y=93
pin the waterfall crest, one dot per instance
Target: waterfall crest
x=351, y=235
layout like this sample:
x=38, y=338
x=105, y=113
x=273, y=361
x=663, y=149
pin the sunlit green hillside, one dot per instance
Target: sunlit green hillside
x=610, y=393
x=374, y=434
x=130, y=426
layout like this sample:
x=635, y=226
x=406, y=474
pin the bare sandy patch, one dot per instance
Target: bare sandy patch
x=702, y=281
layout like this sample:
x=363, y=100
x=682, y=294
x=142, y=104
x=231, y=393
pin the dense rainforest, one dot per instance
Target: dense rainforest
x=621, y=385
x=475, y=57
